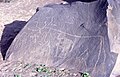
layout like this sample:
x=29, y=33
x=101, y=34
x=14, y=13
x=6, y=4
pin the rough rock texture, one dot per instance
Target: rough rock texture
x=69, y=36
x=113, y=14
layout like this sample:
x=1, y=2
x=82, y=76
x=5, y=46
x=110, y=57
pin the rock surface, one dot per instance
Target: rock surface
x=114, y=31
x=69, y=36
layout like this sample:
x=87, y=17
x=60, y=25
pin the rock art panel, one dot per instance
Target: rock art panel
x=72, y=36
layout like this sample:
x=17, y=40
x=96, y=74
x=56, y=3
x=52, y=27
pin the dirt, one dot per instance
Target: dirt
x=20, y=69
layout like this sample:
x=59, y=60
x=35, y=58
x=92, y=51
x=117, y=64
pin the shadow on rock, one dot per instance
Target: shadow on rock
x=9, y=33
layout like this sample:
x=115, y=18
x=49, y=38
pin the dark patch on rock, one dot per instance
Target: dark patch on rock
x=68, y=36
x=9, y=33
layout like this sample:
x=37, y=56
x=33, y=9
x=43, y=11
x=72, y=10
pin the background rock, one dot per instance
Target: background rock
x=69, y=36
x=114, y=31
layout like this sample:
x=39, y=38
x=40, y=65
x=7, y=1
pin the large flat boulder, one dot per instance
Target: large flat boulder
x=72, y=36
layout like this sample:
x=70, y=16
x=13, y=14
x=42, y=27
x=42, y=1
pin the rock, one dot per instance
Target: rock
x=70, y=36
x=114, y=25
x=9, y=33
x=114, y=32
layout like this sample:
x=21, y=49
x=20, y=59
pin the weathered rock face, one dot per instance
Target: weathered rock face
x=69, y=36
x=113, y=14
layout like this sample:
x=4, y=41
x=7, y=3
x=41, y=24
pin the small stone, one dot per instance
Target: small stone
x=62, y=69
x=33, y=74
x=75, y=74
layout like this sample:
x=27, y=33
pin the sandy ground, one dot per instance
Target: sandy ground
x=21, y=69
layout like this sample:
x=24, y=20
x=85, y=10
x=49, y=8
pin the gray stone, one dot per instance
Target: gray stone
x=72, y=36
x=9, y=33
